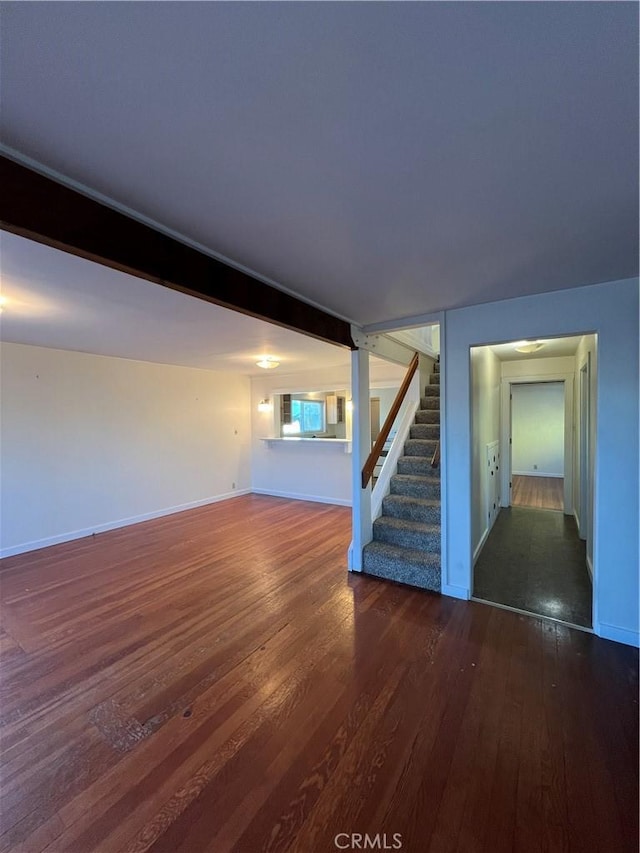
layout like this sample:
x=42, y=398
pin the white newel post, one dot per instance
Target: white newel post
x=361, y=427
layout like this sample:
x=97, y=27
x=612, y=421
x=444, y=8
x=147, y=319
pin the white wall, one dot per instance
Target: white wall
x=611, y=311
x=386, y=397
x=587, y=350
x=543, y=369
x=303, y=470
x=90, y=443
x=537, y=429
x=306, y=471
x=485, y=429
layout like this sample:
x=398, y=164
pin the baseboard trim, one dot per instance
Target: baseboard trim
x=536, y=474
x=353, y=565
x=456, y=591
x=480, y=545
x=485, y=536
x=70, y=536
x=319, y=499
x=590, y=568
x=618, y=635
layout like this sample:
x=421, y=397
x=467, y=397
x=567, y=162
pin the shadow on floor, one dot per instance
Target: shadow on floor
x=534, y=560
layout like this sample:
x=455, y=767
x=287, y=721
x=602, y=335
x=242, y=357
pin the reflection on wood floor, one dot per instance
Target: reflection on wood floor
x=534, y=560
x=215, y=681
x=540, y=492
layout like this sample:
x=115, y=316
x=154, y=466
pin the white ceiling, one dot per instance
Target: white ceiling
x=553, y=348
x=381, y=159
x=54, y=299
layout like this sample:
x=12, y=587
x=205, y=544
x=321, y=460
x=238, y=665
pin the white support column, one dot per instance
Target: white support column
x=361, y=504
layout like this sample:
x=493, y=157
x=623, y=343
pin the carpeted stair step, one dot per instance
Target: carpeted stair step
x=427, y=488
x=428, y=416
x=417, y=465
x=425, y=510
x=403, y=565
x=436, y=367
x=407, y=534
x=430, y=403
x=420, y=447
x=428, y=431
x=406, y=537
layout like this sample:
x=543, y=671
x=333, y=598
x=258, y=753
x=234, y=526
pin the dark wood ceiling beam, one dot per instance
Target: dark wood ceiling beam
x=42, y=209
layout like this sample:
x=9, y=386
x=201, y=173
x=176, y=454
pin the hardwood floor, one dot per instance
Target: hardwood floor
x=540, y=492
x=216, y=681
x=533, y=560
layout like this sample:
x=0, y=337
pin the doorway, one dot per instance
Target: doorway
x=534, y=556
x=536, y=442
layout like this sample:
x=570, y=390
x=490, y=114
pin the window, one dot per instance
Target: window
x=309, y=415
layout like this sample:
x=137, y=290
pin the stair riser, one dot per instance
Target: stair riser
x=434, y=379
x=426, y=490
x=411, y=512
x=418, y=466
x=428, y=416
x=432, y=391
x=406, y=538
x=401, y=572
x=419, y=447
x=427, y=431
x=430, y=403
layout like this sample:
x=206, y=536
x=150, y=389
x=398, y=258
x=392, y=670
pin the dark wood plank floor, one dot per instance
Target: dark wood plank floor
x=539, y=492
x=534, y=560
x=216, y=681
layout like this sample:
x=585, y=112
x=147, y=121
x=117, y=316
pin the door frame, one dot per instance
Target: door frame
x=584, y=449
x=505, y=432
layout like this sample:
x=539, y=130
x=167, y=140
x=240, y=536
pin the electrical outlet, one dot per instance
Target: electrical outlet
x=233, y=485
x=535, y=467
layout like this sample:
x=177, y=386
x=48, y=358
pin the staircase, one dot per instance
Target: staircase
x=406, y=537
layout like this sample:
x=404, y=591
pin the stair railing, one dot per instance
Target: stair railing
x=370, y=464
x=402, y=428
x=435, y=459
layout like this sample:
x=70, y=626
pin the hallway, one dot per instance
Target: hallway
x=533, y=560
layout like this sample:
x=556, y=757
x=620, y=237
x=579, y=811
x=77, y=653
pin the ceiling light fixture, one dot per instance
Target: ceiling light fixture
x=268, y=362
x=529, y=346
x=3, y=302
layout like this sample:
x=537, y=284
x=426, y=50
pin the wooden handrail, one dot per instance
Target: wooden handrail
x=373, y=457
x=435, y=459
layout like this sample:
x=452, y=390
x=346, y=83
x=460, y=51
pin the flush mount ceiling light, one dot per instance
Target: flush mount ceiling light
x=268, y=362
x=3, y=302
x=529, y=346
